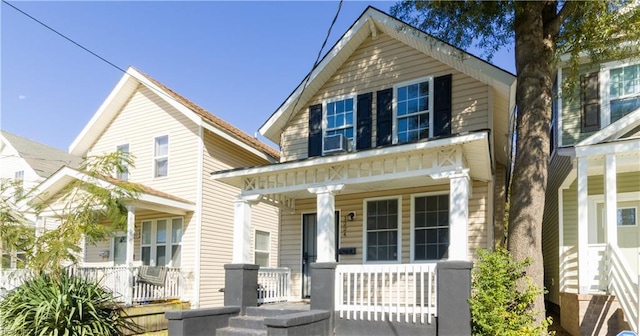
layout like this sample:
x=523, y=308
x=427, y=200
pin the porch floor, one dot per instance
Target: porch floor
x=300, y=305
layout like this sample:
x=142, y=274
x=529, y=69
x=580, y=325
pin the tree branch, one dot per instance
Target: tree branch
x=553, y=24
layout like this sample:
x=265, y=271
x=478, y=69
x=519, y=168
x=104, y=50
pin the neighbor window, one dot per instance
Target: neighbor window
x=161, y=242
x=10, y=258
x=123, y=170
x=161, y=156
x=18, y=178
x=627, y=217
x=412, y=110
x=382, y=230
x=339, y=119
x=431, y=227
x=624, y=91
x=262, y=248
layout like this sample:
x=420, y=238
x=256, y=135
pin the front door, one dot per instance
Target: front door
x=119, y=250
x=309, y=247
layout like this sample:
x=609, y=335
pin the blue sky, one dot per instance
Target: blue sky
x=238, y=60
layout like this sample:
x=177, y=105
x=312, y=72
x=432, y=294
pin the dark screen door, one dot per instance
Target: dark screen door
x=309, y=248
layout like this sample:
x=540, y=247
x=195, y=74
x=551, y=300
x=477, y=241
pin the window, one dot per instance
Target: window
x=159, y=238
x=624, y=91
x=627, y=217
x=413, y=117
x=161, y=156
x=119, y=249
x=123, y=173
x=590, y=102
x=10, y=258
x=430, y=227
x=18, y=178
x=382, y=226
x=339, y=119
x=262, y=248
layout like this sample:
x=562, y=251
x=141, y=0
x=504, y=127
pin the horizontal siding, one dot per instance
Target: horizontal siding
x=571, y=110
x=144, y=117
x=11, y=162
x=499, y=207
x=377, y=65
x=217, y=217
x=351, y=232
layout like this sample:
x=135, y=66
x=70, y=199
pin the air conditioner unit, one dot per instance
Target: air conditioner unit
x=336, y=143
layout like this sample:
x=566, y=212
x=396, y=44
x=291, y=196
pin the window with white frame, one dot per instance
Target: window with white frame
x=339, y=119
x=18, y=178
x=11, y=258
x=161, y=242
x=123, y=170
x=161, y=156
x=624, y=91
x=412, y=110
x=382, y=227
x=627, y=216
x=430, y=227
x=262, y=246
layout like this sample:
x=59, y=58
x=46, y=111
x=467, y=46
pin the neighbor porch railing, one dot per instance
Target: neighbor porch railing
x=624, y=285
x=274, y=284
x=404, y=292
x=10, y=279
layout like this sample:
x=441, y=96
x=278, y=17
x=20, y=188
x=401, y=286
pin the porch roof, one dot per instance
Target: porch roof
x=401, y=166
x=148, y=198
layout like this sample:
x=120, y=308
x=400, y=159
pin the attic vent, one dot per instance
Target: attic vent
x=336, y=143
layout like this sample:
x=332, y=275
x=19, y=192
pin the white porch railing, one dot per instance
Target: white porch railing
x=597, y=267
x=274, y=284
x=10, y=279
x=404, y=292
x=624, y=285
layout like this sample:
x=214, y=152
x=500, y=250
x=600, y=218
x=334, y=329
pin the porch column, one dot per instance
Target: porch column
x=610, y=201
x=242, y=229
x=131, y=221
x=459, y=215
x=326, y=209
x=583, y=234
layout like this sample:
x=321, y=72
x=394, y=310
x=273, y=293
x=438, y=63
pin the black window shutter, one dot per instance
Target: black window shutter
x=315, y=130
x=363, y=131
x=384, y=114
x=590, y=102
x=442, y=105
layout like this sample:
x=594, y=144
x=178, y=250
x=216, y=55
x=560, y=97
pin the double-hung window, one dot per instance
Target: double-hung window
x=18, y=178
x=262, y=248
x=10, y=258
x=382, y=228
x=430, y=227
x=123, y=169
x=624, y=91
x=161, y=156
x=412, y=110
x=161, y=242
x=339, y=119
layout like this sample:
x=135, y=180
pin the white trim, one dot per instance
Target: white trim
x=198, y=218
x=155, y=157
x=412, y=212
x=560, y=109
x=394, y=105
x=168, y=244
x=618, y=128
x=491, y=186
x=608, y=148
x=354, y=98
x=582, y=227
x=561, y=281
x=635, y=210
x=398, y=260
x=237, y=142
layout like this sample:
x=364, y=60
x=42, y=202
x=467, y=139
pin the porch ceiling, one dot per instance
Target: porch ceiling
x=403, y=166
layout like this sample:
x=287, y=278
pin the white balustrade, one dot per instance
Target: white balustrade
x=274, y=284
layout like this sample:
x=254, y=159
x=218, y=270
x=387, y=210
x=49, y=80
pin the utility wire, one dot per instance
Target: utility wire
x=63, y=36
x=315, y=64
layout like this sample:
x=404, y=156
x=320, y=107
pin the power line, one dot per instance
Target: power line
x=63, y=36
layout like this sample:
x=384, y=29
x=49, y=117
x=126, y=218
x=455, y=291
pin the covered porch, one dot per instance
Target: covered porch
x=386, y=216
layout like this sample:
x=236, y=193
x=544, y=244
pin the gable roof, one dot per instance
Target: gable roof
x=129, y=83
x=43, y=159
x=371, y=22
x=614, y=130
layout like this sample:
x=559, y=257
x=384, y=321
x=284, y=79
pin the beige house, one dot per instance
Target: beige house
x=393, y=157
x=182, y=220
x=591, y=234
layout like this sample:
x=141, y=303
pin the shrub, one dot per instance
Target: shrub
x=497, y=306
x=58, y=304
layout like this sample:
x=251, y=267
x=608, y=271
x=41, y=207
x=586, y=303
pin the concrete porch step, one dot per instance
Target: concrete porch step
x=255, y=311
x=228, y=331
x=247, y=322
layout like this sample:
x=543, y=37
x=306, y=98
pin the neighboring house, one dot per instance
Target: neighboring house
x=394, y=153
x=591, y=233
x=23, y=164
x=181, y=219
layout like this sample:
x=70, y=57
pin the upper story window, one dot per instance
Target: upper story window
x=339, y=125
x=123, y=170
x=624, y=91
x=18, y=178
x=413, y=117
x=161, y=156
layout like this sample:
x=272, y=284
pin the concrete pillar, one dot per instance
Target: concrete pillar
x=459, y=194
x=131, y=221
x=326, y=209
x=241, y=286
x=583, y=225
x=454, y=290
x=323, y=289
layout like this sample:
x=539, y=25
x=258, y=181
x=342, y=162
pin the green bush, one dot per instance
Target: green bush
x=497, y=307
x=61, y=305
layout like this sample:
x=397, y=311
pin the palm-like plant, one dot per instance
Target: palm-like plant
x=59, y=304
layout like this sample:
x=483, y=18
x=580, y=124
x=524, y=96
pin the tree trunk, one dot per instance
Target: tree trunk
x=534, y=53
